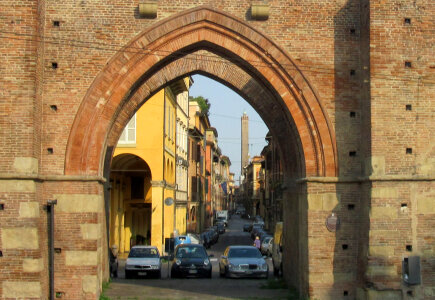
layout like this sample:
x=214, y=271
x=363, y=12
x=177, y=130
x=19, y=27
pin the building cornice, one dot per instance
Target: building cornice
x=39, y=177
x=361, y=179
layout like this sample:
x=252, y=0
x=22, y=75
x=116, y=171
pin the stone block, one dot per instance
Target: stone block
x=331, y=201
x=90, y=284
x=375, y=166
x=385, y=192
x=429, y=292
x=316, y=242
x=81, y=258
x=20, y=238
x=344, y=277
x=324, y=277
x=33, y=265
x=17, y=186
x=327, y=201
x=29, y=210
x=383, y=251
x=79, y=203
x=426, y=205
x=315, y=202
x=381, y=271
x=90, y=231
x=426, y=166
x=25, y=165
x=384, y=295
x=21, y=290
x=383, y=212
x=361, y=294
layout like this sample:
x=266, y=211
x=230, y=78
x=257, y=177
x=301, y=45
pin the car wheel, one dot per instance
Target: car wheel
x=209, y=275
x=221, y=275
x=159, y=274
x=127, y=274
x=275, y=270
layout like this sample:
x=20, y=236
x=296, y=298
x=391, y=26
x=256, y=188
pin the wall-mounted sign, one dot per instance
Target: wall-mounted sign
x=332, y=223
x=169, y=201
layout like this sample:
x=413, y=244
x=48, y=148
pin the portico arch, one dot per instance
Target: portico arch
x=271, y=83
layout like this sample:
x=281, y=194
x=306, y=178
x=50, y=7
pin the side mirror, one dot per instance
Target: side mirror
x=211, y=255
x=264, y=257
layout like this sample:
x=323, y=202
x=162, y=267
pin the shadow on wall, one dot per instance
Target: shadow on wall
x=351, y=53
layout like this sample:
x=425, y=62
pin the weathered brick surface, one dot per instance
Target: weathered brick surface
x=324, y=39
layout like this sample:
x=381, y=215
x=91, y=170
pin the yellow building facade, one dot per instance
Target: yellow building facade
x=143, y=174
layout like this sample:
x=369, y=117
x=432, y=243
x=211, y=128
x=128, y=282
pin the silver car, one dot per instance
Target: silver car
x=143, y=261
x=243, y=261
x=266, y=246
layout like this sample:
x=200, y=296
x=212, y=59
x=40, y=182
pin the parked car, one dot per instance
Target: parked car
x=266, y=245
x=214, y=234
x=256, y=228
x=143, y=261
x=221, y=227
x=243, y=261
x=182, y=239
x=206, y=239
x=191, y=260
x=247, y=227
x=195, y=238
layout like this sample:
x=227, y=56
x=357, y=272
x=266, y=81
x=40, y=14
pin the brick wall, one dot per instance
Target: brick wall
x=351, y=53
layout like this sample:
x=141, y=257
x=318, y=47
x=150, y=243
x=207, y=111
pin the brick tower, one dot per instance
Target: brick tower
x=245, y=141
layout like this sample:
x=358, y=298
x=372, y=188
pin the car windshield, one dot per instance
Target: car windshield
x=244, y=252
x=190, y=252
x=143, y=252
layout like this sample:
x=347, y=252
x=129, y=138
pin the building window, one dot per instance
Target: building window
x=128, y=136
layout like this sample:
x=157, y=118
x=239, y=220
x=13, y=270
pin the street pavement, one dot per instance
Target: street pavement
x=193, y=288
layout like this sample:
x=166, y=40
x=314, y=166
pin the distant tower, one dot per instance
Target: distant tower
x=245, y=141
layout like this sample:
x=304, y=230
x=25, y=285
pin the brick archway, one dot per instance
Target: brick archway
x=156, y=57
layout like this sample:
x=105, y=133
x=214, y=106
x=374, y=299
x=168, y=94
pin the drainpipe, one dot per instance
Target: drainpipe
x=50, y=206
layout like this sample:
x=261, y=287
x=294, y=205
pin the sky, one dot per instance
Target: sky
x=226, y=110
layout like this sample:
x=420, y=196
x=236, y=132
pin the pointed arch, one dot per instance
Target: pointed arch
x=160, y=54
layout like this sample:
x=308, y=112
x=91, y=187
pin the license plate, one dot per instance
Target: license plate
x=141, y=273
x=193, y=271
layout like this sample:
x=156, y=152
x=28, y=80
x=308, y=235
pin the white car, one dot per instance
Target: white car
x=266, y=246
x=243, y=261
x=143, y=261
x=195, y=238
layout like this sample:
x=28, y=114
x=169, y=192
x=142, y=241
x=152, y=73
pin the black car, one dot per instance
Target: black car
x=247, y=227
x=214, y=232
x=221, y=227
x=206, y=239
x=191, y=260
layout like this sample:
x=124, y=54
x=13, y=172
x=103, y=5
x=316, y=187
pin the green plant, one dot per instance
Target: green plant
x=104, y=288
x=203, y=104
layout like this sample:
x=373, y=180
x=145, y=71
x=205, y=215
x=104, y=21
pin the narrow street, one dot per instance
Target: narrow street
x=215, y=288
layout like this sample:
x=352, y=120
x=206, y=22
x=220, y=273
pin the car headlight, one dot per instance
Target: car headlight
x=178, y=262
x=206, y=262
x=232, y=267
x=264, y=266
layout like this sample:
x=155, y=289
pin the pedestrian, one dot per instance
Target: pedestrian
x=113, y=257
x=257, y=243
